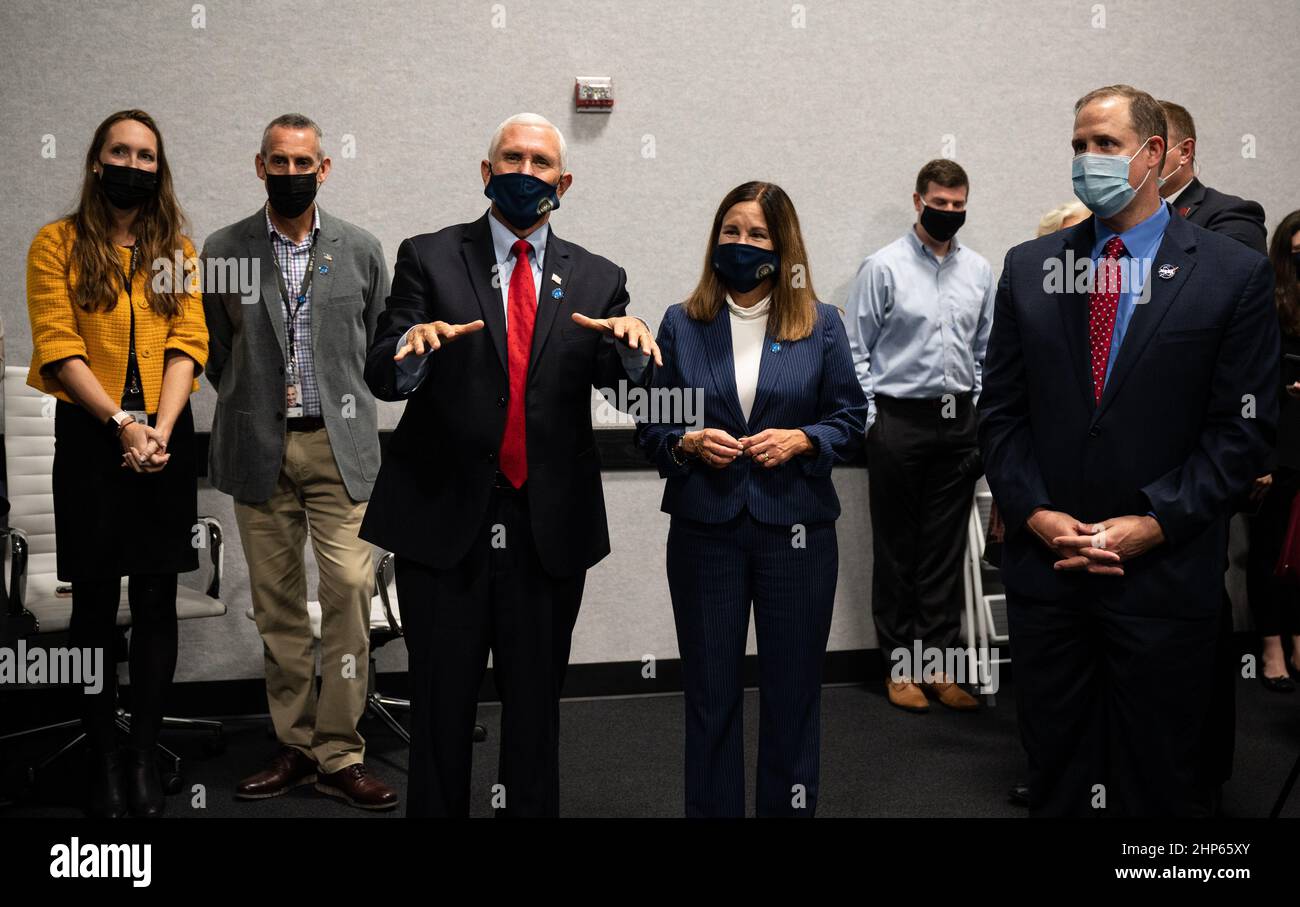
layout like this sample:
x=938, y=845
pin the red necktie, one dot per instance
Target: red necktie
x=1103, y=303
x=521, y=310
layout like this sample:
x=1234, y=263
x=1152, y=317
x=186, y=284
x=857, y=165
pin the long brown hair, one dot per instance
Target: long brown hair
x=1286, y=274
x=794, y=302
x=94, y=269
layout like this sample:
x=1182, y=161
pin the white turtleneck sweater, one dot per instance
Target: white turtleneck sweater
x=748, y=331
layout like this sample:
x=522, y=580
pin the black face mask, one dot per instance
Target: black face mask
x=127, y=187
x=291, y=194
x=942, y=225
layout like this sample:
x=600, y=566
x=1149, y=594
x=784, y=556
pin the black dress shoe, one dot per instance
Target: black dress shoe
x=1019, y=794
x=145, y=783
x=107, y=792
x=1281, y=684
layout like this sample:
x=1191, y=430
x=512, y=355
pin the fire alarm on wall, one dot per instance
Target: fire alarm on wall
x=593, y=94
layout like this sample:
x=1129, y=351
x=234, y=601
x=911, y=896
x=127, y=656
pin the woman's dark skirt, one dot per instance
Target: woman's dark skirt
x=109, y=520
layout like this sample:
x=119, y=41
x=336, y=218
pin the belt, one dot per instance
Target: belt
x=304, y=423
x=501, y=483
x=961, y=399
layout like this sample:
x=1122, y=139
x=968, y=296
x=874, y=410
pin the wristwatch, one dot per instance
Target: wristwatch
x=118, y=421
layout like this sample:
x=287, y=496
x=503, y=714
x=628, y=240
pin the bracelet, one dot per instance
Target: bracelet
x=676, y=452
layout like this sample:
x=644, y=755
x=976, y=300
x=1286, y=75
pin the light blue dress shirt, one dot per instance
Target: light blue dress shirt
x=1141, y=241
x=918, y=327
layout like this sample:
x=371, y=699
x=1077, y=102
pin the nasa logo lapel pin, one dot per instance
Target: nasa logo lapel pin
x=1167, y=272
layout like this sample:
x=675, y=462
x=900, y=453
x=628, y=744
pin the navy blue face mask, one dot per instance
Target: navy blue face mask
x=521, y=198
x=743, y=267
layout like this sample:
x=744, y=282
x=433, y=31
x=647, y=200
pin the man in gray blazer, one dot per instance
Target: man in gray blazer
x=295, y=442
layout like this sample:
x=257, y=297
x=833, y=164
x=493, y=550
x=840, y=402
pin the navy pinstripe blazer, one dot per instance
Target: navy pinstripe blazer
x=808, y=384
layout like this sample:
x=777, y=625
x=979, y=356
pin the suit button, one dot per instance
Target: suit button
x=282, y=370
x=279, y=416
x=501, y=402
x=1094, y=432
x=491, y=458
x=144, y=353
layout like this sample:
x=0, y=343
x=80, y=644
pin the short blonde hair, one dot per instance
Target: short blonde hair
x=1053, y=219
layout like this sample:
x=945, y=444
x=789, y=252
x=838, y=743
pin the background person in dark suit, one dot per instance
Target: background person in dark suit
x=1230, y=215
x=1115, y=437
x=753, y=508
x=490, y=490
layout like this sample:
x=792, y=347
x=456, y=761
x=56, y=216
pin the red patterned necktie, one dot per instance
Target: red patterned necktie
x=1103, y=303
x=521, y=307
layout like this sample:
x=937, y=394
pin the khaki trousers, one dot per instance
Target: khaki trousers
x=310, y=497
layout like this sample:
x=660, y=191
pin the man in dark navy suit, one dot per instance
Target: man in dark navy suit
x=1243, y=220
x=1118, y=422
x=490, y=491
x=1229, y=215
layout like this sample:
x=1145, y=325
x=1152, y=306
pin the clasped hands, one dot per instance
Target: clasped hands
x=770, y=447
x=423, y=339
x=144, y=447
x=1102, y=547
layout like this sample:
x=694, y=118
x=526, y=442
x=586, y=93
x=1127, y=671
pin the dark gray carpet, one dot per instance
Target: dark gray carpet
x=623, y=757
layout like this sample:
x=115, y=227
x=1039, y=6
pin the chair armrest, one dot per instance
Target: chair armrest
x=382, y=572
x=216, y=554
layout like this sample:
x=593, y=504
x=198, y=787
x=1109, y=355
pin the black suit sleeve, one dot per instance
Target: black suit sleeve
x=1004, y=433
x=408, y=305
x=609, y=370
x=653, y=437
x=1240, y=420
x=1243, y=220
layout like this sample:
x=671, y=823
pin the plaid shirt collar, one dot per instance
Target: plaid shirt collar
x=276, y=234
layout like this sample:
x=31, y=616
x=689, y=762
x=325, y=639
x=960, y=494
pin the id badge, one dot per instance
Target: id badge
x=293, y=407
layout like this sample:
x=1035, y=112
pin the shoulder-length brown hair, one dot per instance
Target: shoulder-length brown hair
x=1286, y=275
x=158, y=230
x=794, y=302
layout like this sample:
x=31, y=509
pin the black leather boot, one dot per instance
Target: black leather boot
x=107, y=792
x=144, y=783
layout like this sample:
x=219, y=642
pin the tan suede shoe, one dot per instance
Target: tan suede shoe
x=951, y=695
x=906, y=695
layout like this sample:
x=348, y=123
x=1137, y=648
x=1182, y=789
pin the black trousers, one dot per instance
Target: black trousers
x=1274, y=604
x=1112, y=705
x=152, y=659
x=921, y=482
x=497, y=599
x=715, y=573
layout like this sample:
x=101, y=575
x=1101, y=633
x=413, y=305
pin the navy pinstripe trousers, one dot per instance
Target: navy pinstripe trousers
x=715, y=572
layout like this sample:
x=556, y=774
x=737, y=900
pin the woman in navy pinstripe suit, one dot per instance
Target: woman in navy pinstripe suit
x=752, y=504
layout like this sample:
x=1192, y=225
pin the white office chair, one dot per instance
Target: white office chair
x=37, y=602
x=986, y=624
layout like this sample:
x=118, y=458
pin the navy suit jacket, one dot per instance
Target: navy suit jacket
x=1182, y=429
x=433, y=488
x=1230, y=215
x=808, y=384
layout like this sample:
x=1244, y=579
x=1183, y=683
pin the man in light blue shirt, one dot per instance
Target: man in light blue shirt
x=919, y=316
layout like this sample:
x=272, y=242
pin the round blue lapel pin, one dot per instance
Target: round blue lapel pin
x=324, y=269
x=557, y=293
x=776, y=347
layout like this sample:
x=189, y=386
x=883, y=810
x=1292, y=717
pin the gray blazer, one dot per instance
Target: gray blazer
x=246, y=357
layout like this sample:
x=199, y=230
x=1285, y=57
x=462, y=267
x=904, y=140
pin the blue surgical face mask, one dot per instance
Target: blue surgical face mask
x=521, y=198
x=743, y=267
x=1101, y=181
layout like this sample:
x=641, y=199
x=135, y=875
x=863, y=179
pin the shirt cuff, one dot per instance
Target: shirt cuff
x=411, y=370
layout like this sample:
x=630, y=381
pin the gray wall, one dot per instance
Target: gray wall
x=840, y=102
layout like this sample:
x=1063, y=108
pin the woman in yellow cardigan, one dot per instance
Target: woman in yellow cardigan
x=118, y=338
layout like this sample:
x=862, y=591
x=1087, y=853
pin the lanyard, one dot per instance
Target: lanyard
x=300, y=299
x=133, y=392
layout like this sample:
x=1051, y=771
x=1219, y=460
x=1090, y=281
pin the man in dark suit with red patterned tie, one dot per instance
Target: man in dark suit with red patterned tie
x=1117, y=426
x=489, y=494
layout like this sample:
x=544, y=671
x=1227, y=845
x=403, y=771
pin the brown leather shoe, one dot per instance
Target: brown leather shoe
x=906, y=695
x=951, y=695
x=357, y=788
x=289, y=769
